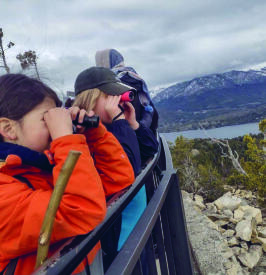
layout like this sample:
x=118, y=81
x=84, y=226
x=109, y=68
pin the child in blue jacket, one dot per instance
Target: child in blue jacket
x=99, y=89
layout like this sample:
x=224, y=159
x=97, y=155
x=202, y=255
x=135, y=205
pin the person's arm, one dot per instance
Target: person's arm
x=111, y=160
x=148, y=143
x=128, y=139
x=81, y=209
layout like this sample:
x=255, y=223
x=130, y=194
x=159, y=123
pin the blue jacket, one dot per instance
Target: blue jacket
x=128, y=139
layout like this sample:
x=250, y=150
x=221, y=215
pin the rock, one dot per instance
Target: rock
x=222, y=230
x=198, y=198
x=199, y=204
x=262, y=232
x=252, y=257
x=211, y=208
x=232, y=268
x=195, y=152
x=216, y=217
x=247, y=194
x=205, y=240
x=233, y=241
x=251, y=212
x=236, y=250
x=213, y=225
x=244, y=246
x=244, y=230
x=221, y=222
x=238, y=214
x=228, y=252
x=228, y=213
x=262, y=241
x=229, y=233
x=234, y=221
x=227, y=201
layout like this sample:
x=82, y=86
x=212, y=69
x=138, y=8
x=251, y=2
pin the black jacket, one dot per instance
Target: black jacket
x=140, y=145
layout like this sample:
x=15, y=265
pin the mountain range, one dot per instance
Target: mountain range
x=215, y=100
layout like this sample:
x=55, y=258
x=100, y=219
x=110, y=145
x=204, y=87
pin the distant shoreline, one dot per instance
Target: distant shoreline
x=228, y=132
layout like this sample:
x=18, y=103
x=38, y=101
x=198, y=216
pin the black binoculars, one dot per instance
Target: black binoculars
x=88, y=121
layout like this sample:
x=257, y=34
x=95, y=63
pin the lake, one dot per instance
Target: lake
x=222, y=132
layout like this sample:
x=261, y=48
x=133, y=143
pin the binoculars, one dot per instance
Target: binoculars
x=88, y=121
x=93, y=121
x=127, y=96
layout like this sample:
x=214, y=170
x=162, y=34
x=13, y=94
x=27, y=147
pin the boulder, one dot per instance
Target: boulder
x=238, y=214
x=229, y=233
x=262, y=232
x=215, y=217
x=252, y=257
x=251, y=212
x=227, y=201
x=236, y=250
x=244, y=230
x=233, y=241
x=228, y=213
x=195, y=152
x=232, y=268
x=211, y=208
x=262, y=241
x=199, y=204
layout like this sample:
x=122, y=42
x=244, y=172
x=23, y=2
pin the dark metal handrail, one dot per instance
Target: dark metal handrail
x=162, y=224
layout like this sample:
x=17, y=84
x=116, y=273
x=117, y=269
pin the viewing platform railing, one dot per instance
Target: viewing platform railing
x=161, y=230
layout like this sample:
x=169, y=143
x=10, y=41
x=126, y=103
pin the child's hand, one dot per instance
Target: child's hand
x=111, y=107
x=130, y=115
x=59, y=123
x=81, y=113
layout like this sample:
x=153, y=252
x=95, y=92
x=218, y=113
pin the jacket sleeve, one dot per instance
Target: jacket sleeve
x=148, y=143
x=110, y=159
x=81, y=209
x=128, y=139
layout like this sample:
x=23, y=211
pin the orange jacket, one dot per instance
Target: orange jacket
x=82, y=206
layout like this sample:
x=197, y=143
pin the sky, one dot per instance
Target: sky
x=166, y=41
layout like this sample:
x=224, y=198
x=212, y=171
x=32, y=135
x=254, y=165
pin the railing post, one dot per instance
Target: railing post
x=178, y=231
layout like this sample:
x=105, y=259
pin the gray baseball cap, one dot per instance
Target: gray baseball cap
x=102, y=78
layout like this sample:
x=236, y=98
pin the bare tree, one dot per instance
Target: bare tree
x=2, y=51
x=190, y=176
x=262, y=127
x=28, y=59
x=227, y=152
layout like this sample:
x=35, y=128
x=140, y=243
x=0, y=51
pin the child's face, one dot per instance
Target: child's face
x=99, y=110
x=32, y=131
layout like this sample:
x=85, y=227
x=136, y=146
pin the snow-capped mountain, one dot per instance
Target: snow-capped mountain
x=211, y=82
x=228, y=98
x=155, y=91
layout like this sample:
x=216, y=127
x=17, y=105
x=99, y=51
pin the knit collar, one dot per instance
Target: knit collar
x=28, y=156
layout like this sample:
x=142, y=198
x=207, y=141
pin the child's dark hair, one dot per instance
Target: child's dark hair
x=69, y=102
x=19, y=94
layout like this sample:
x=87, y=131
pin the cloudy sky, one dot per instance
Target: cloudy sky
x=166, y=41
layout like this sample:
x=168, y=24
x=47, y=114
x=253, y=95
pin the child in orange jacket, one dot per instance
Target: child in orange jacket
x=36, y=137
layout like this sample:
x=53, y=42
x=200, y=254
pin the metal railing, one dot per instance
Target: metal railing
x=160, y=236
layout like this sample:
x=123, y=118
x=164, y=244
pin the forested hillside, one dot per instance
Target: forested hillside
x=205, y=166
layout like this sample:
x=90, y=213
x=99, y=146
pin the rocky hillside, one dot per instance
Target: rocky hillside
x=228, y=236
x=215, y=100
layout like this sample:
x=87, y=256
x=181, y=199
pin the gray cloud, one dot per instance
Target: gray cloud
x=166, y=41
